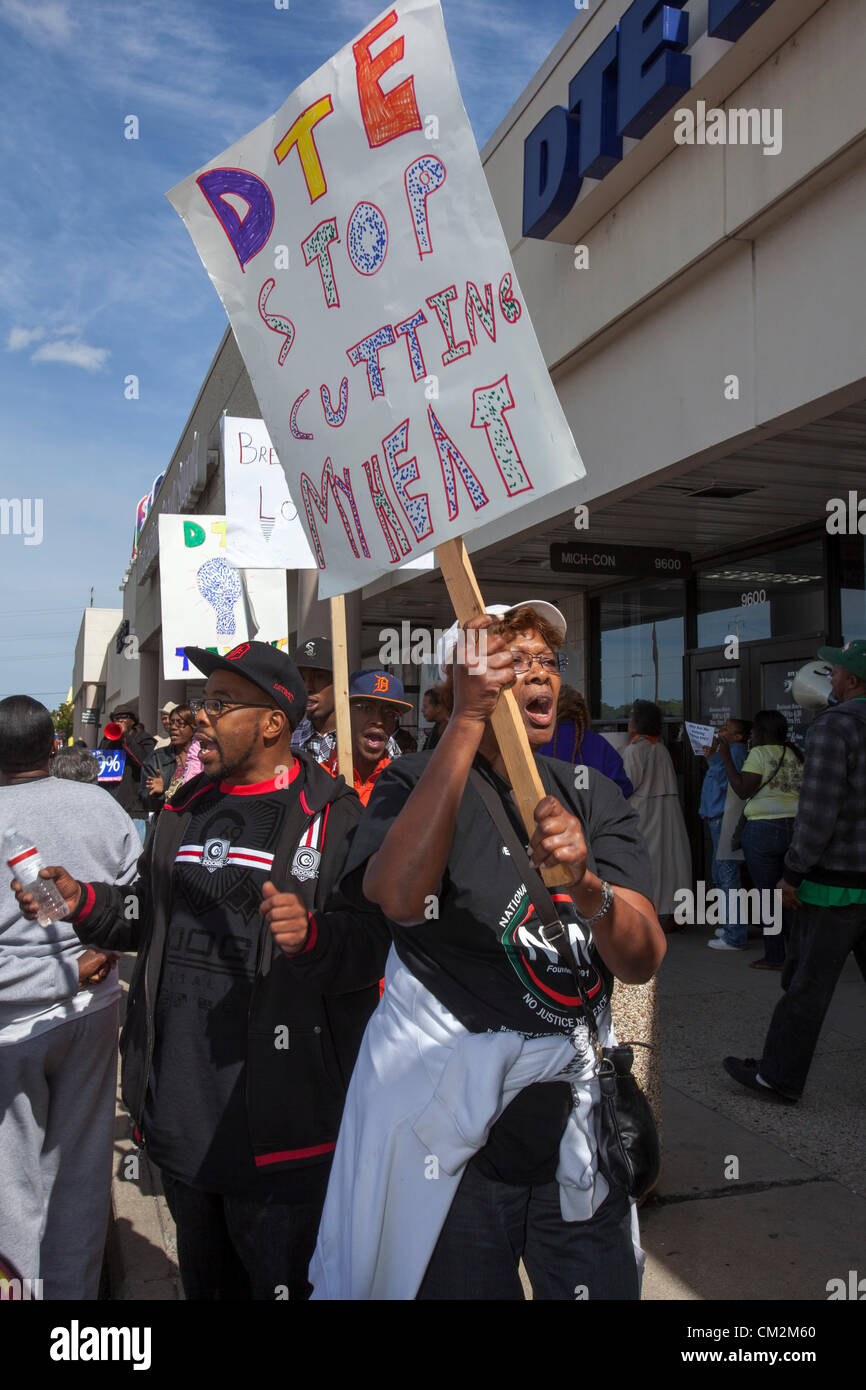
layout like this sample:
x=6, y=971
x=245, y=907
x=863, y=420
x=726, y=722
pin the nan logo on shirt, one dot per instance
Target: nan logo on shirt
x=306, y=863
x=215, y=854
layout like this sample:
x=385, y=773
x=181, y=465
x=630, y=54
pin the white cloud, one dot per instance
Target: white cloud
x=75, y=353
x=48, y=21
x=23, y=337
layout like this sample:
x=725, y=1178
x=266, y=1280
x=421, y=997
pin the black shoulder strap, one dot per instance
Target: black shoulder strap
x=552, y=930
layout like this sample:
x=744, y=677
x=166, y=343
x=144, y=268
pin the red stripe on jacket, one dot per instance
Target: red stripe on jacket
x=286, y=1154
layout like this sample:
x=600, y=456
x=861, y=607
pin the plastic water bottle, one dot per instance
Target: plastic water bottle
x=25, y=862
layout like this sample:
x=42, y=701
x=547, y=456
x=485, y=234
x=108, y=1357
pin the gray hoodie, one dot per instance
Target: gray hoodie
x=81, y=827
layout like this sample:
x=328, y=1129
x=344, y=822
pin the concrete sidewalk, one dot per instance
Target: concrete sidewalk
x=756, y=1200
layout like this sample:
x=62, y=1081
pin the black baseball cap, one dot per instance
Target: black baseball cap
x=316, y=653
x=271, y=670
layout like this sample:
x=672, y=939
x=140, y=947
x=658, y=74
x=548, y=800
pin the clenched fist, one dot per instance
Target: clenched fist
x=558, y=839
x=287, y=918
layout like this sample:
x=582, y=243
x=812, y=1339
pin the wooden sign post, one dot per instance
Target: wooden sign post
x=506, y=720
x=339, y=643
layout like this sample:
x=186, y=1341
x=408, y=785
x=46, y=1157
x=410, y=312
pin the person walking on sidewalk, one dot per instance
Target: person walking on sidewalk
x=58, y=1022
x=824, y=879
x=237, y=1054
x=770, y=782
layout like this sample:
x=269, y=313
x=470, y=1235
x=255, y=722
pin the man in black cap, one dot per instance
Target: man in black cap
x=315, y=663
x=237, y=1054
x=317, y=732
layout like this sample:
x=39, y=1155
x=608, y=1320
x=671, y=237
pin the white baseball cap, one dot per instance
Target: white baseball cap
x=552, y=616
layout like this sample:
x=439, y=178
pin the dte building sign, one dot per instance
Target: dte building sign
x=625, y=87
x=354, y=242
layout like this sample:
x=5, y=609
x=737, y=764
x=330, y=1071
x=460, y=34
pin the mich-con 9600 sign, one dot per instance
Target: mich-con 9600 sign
x=582, y=557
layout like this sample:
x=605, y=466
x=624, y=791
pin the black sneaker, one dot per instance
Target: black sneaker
x=745, y=1070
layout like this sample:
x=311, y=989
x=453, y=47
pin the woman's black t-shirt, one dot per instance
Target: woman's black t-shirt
x=482, y=957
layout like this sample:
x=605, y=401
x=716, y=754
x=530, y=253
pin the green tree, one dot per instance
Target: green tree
x=63, y=717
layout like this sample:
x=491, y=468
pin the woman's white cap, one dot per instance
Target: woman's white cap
x=552, y=616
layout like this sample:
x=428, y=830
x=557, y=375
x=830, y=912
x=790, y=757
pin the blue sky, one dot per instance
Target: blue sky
x=98, y=276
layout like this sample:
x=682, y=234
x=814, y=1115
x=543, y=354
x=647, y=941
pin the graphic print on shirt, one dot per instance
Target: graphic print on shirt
x=548, y=982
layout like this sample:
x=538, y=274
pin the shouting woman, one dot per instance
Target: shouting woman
x=470, y=1136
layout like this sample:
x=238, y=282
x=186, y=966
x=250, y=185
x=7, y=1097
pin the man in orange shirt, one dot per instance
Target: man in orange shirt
x=376, y=701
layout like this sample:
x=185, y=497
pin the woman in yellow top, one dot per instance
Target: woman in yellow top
x=770, y=779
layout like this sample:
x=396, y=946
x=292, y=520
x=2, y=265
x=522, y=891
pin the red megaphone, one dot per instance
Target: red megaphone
x=114, y=732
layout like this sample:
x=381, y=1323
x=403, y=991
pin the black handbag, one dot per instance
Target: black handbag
x=628, y=1141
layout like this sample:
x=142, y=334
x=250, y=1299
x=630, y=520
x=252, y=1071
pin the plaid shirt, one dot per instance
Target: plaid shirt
x=321, y=746
x=830, y=830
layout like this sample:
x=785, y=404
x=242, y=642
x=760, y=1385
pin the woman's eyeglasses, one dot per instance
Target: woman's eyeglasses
x=524, y=661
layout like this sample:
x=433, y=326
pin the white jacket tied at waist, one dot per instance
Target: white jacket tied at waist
x=422, y=1099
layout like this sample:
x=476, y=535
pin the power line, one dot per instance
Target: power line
x=37, y=636
x=39, y=612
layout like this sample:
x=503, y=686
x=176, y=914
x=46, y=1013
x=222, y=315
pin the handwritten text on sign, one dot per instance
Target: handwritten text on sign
x=354, y=242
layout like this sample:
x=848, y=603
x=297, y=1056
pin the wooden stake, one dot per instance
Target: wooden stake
x=506, y=720
x=340, y=645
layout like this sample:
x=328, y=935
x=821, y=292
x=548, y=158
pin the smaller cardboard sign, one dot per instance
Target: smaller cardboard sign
x=700, y=736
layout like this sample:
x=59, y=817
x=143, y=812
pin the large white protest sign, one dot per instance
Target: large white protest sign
x=354, y=242
x=207, y=601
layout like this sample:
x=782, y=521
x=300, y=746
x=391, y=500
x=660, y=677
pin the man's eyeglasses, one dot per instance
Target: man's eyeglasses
x=552, y=665
x=215, y=709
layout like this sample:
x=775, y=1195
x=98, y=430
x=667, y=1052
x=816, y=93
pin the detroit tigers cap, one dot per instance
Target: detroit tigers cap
x=271, y=670
x=378, y=685
x=316, y=653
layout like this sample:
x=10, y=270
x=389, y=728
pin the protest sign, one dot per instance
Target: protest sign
x=263, y=530
x=700, y=736
x=111, y=762
x=207, y=601
x=355, y=245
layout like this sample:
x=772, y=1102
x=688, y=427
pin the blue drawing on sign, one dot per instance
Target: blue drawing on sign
x=220, y=583
x=367, y=238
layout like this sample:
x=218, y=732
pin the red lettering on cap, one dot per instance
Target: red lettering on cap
x=288, y=694
x=237, y=652
x=382, y=684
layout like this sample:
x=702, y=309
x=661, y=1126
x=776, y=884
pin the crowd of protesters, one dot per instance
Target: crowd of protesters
x=292, y=1106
